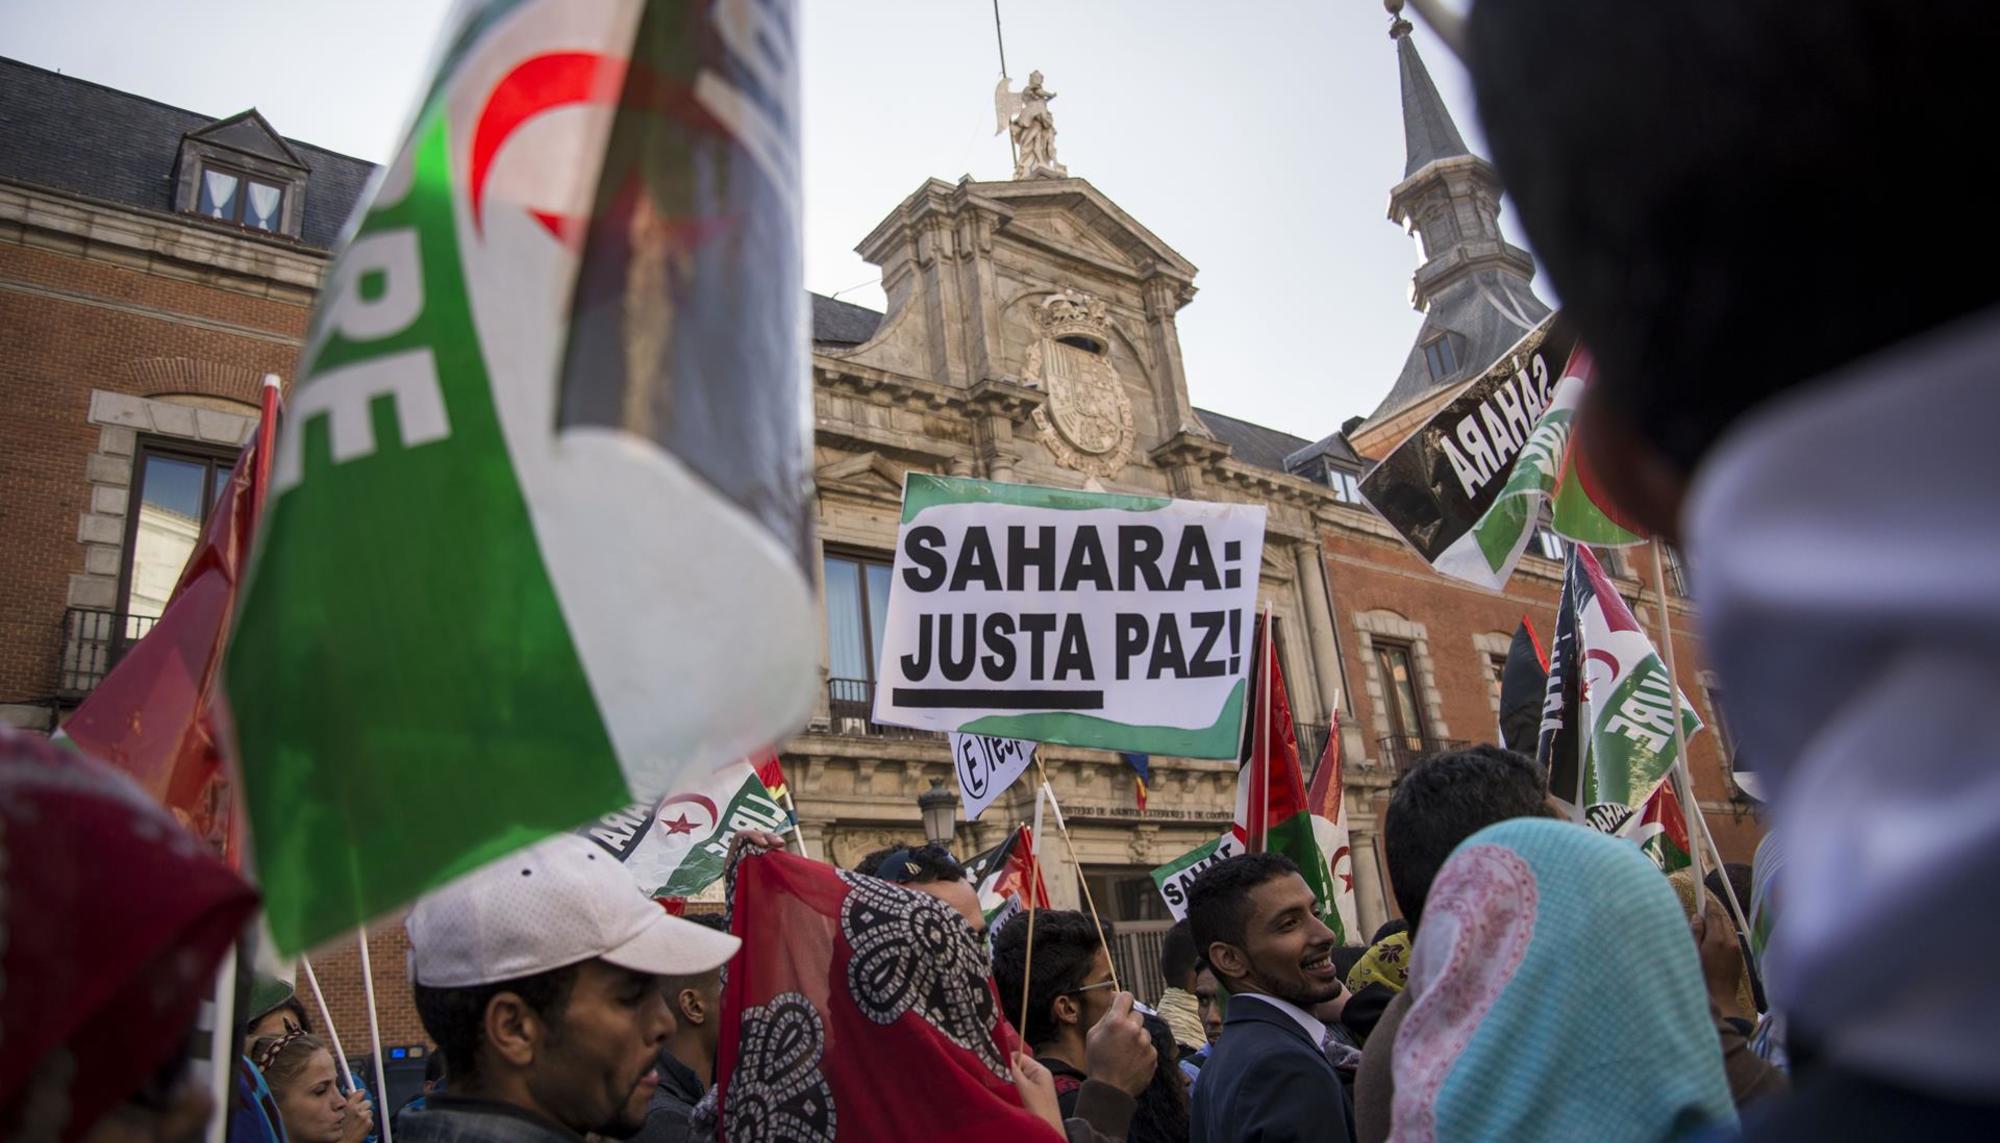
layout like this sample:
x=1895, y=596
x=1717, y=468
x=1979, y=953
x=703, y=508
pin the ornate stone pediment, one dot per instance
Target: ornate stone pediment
x=864, y=473
x=1087, y=423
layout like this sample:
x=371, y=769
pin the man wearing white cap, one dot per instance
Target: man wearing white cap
x=539, y=978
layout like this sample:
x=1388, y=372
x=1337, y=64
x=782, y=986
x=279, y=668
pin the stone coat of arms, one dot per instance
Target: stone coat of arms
x=1087, y=423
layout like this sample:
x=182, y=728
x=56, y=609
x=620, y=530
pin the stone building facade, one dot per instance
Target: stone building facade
x=1030, y=335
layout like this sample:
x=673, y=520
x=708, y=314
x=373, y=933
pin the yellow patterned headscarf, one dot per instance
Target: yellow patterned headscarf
x=1386, y=962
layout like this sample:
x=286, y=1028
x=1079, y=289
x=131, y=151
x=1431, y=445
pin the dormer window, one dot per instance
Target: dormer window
x=1346, y=484
x=239, y=172
x=1438, y=355
x=233, y=196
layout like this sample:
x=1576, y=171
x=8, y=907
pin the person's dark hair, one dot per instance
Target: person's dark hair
x=1219, y=898
x=434, y=1067
x=455, y=1018
x=1177, y=954
x=1443, y=801
x=290, y=1004
x=1066, y=944
x=1707, y=183
x=1346, y=957
x=1162, y=1115
x=1389, y=928
x=912, y=865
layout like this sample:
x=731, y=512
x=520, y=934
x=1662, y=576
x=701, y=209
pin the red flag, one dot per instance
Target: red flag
x=155, y=715
x=1270, y=789
x=772, y=774
x=860, y=1007
x=1323, y=799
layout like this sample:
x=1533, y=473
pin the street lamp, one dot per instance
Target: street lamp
x=939, y=807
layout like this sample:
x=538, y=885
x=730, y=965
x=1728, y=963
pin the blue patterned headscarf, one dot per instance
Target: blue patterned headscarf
x=1555, y=994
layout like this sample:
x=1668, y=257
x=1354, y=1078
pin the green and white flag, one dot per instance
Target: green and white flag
x=1627, y=743
x=677, y=847
x=1467, y=489
x=1174, y=878
x=538, y=540
x=1086, y=618
x=1546, y=472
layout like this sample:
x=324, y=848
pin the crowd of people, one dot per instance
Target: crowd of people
x=1760, y=345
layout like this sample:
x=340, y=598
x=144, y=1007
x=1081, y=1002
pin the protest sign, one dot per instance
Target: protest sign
x=1086, y=618
x=676, y=847
x=1175, y=876
x=1436, y=486
x=986, y=767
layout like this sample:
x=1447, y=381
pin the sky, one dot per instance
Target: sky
x=1259, y=140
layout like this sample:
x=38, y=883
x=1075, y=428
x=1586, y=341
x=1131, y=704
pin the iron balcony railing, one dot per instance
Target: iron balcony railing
x=92, y=643
x=1403, y=751
x=850, y=708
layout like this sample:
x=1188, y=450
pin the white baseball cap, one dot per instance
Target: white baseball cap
x=556, y=903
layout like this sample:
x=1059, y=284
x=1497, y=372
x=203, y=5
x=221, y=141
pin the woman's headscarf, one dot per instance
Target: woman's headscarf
x=1555, y=994
x=1387, y=962
x=112, y=921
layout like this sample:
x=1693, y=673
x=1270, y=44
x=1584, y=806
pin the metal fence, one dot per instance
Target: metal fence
x=850, y=708
x=1135, y=954
x=1403, y=751
x=92, y=643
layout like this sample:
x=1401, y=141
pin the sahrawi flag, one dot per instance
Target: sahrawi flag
x=1006, y=878
x=1608, y=726
x=1660, y=830
x=1548, y=470
x=538, y=541
x=675, y=847
x=1326, y=800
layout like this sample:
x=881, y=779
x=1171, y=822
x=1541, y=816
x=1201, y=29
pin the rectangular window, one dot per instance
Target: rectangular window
x=233, y=196
x=1438, y=355
x=1499, y=664
x=1399, y=692
x=857, y=607
x=1547, y=544
x=1677, y=574
x=175, y=489
x=1346, y=485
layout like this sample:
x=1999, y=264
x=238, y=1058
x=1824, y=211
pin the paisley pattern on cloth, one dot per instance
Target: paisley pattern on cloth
x=947, y=988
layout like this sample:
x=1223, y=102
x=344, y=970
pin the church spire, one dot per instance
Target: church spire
x=1472, y=285
x=1428, y=131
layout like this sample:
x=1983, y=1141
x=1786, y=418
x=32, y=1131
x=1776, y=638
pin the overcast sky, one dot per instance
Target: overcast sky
x=1260, y=140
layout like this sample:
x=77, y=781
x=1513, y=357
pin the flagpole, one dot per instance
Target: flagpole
x=1683, y=776
x=222, y=1051
x=1073, y=860
x=326, y=1017
x=375, y=1041
x=1034, y=879
x=793, y=808
x=1729, y=898
x=1258, y=812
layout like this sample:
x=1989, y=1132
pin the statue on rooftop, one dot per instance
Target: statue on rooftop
x=1026, y=114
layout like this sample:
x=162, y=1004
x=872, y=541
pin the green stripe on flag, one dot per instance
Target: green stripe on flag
x=1212, y=741
x=921, y=491
x=407, y=699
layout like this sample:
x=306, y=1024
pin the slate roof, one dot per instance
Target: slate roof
x=836, y=322
x=1251, y=443
x=73, y=135
x=1429, y=134
x=1483, y=314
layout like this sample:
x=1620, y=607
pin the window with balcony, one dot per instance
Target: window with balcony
x=174, y=488
x=1394, y=665
x=857, y=607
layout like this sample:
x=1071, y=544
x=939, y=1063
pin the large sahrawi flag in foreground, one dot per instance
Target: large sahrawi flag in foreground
x=1468, y=488
x=1608, y=725
x=538, y=537
x=1086, y=618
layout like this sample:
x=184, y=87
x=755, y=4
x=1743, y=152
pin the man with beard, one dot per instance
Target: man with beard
x=539, y=977
x=1269, y=1077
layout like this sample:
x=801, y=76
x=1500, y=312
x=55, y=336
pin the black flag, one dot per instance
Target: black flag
x=1524, y=685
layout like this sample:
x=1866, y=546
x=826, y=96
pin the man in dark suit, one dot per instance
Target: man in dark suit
x=1268, y=1079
